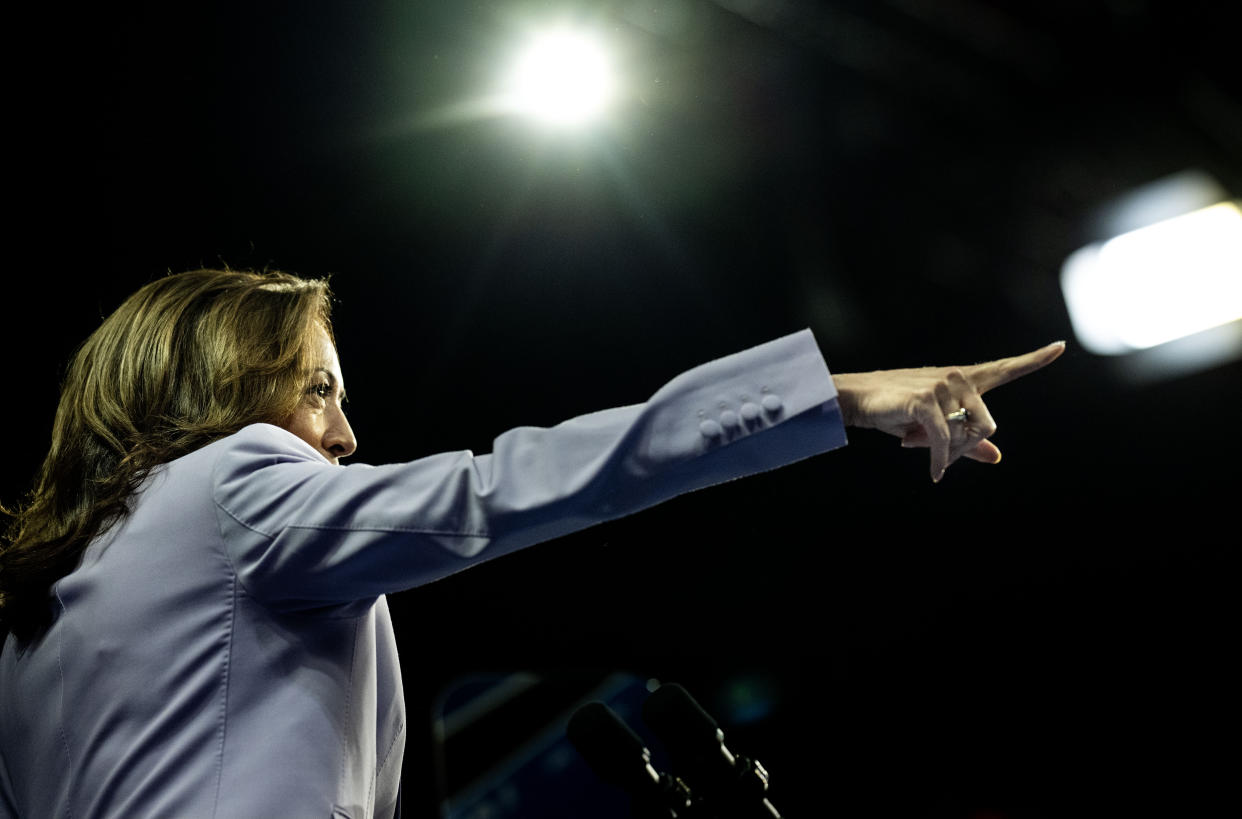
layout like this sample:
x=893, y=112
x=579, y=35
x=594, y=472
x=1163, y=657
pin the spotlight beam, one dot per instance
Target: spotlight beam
x=563, y=77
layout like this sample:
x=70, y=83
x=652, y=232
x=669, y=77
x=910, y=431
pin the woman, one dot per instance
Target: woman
x=194, y=594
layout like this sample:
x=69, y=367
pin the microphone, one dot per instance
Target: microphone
x=617, y=756
x=734, y=785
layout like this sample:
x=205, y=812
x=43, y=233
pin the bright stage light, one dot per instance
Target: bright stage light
x=563, y=77
x=1159, y=283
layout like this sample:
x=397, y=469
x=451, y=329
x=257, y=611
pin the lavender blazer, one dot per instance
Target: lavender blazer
x=227, y=651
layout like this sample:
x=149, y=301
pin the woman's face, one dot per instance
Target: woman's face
x=320, y=419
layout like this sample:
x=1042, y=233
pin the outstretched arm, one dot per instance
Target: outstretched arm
x=914, y=404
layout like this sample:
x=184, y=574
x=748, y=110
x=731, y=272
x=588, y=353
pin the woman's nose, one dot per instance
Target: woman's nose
x=339, y=439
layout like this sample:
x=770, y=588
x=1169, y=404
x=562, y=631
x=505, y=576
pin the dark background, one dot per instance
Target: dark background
x=1047, y=637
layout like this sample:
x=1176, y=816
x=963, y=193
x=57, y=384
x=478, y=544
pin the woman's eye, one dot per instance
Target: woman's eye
x=322, y=390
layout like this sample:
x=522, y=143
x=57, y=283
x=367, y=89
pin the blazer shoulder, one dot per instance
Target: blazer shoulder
x=262, y=439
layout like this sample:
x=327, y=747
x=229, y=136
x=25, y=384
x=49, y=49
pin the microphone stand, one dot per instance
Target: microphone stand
x=732, y=785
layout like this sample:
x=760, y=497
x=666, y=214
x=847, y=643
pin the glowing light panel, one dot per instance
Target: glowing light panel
x=563, y=77
x=1158, y=283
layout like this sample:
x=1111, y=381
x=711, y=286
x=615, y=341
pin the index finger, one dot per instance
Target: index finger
x=1002, y=371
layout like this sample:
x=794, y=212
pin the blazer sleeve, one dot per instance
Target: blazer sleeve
x=301, y=532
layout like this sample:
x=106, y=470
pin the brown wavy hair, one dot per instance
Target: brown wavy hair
x=186, y=360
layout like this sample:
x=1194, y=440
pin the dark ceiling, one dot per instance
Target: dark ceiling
x=903, y=176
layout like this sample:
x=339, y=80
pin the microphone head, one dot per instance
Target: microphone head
x=678, y=720
x=609, y=747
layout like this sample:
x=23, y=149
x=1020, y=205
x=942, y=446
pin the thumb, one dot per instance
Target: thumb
x=984, y=452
